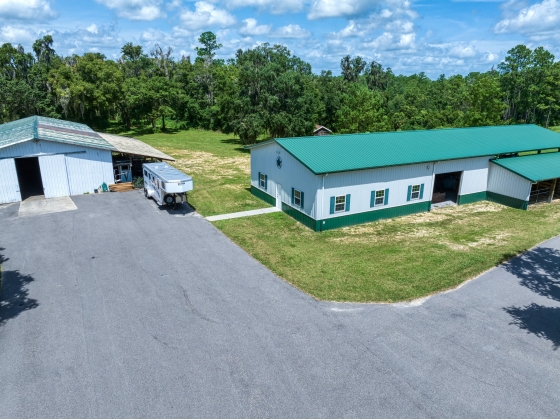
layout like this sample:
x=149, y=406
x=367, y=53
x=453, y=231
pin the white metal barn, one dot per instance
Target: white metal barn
x=340, y=180
x=54, y=158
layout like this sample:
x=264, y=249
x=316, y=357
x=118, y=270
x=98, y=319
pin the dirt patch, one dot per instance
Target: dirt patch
x=212, y=166
x=491, y=240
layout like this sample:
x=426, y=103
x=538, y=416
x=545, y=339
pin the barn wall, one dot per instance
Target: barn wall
x=502, y=181
x=360, y=184
x=292, y=174
x=475, y=173
x=86, y=170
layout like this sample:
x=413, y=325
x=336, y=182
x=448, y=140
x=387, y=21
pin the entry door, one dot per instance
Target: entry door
x=54, y=175
x=279, y=196
x=9, y=185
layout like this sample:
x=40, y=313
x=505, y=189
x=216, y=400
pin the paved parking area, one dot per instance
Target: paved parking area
x=119, y=309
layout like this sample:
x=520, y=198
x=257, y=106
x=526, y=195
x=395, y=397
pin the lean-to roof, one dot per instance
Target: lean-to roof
x=535, y=168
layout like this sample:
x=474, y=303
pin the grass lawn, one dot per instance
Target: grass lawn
x=218, y=164
x=388, y=261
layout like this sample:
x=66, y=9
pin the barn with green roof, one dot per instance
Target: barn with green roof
x=340, y=180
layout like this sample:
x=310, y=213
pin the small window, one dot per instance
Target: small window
x=262, y=181
x=415, y=194
x=340, y=203
x=379, y=197
x=297, y=198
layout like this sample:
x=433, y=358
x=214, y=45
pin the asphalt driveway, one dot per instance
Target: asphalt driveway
x=118, y=309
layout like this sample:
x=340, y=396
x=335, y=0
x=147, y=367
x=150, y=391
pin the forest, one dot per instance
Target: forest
x=268, y=92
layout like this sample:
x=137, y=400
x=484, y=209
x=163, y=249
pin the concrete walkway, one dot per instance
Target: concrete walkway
x=242, y=214
x=38, y=205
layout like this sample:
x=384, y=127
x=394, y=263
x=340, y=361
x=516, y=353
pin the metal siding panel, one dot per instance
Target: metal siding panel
x=9, y=184
x=475, y=173
x=292, y=174
x=360, y=184
x=53, y=174
x=503, y=182
x=88, y=171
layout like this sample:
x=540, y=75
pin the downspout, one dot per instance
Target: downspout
x=433, y=183
x=322, y=202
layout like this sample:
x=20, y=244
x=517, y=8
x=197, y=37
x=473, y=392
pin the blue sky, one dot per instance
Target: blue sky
x=434, y=36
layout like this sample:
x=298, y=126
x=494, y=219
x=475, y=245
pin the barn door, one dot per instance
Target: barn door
x=54, y=175
x=9, y=185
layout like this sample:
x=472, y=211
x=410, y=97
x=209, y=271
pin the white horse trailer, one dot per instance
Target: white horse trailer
x=165, y=184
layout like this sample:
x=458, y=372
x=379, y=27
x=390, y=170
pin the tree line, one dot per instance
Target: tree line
x=267, y=91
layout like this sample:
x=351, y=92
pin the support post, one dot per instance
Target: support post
x=552, y=190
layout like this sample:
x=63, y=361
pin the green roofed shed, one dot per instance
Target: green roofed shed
x=339, y=153
x=535, y=168
x=51, y=129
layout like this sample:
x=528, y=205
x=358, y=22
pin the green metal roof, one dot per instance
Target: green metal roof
x=338, y=153
x=535, y=168
x=51, y=129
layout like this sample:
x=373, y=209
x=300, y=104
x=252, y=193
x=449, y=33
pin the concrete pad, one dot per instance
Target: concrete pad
x=447, y=203
x=35, y=206
x=243, y=214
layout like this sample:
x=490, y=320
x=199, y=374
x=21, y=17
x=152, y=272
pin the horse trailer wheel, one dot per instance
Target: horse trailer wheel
x=169, y=199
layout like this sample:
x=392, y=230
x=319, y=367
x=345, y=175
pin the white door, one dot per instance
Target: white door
x=54, y=175
x=279, y=196
x=9, y=184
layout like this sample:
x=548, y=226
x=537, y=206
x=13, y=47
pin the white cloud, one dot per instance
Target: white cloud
x=36, y=10
x=252, y=29
x=272, y=6
x=292, y=31
x=136, y=9
x=15, y=35
x=339, y=8
x=388, y=41
x=92, y=28
x=205, y=15
x=534, y=19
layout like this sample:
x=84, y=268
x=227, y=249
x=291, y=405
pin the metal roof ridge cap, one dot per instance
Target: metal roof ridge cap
x=262, y=143
x=416, y=131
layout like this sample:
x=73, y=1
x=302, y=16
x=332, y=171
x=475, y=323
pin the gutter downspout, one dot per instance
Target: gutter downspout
x=322, y=201
x=433, y=183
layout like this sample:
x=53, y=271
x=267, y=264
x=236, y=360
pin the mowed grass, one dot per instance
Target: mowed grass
x=219, y=165
x=393, y=260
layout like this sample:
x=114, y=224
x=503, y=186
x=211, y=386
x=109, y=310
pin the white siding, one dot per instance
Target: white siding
x=87, y=171
x=360, y=184
x=292, y=175
x=504, y=182
x=9, y=185
x=53, y=175
x=86, y=168
x=475, y=173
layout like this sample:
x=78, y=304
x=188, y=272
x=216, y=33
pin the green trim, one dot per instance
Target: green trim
x=471, y=198
x=372, y=216
x=516, y=203
x=257, y=192
x=303, y=218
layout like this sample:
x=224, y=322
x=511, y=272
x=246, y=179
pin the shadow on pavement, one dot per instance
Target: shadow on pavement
x=540, y=320
x=539, y=271
x=181, y=209
x=13, y=293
